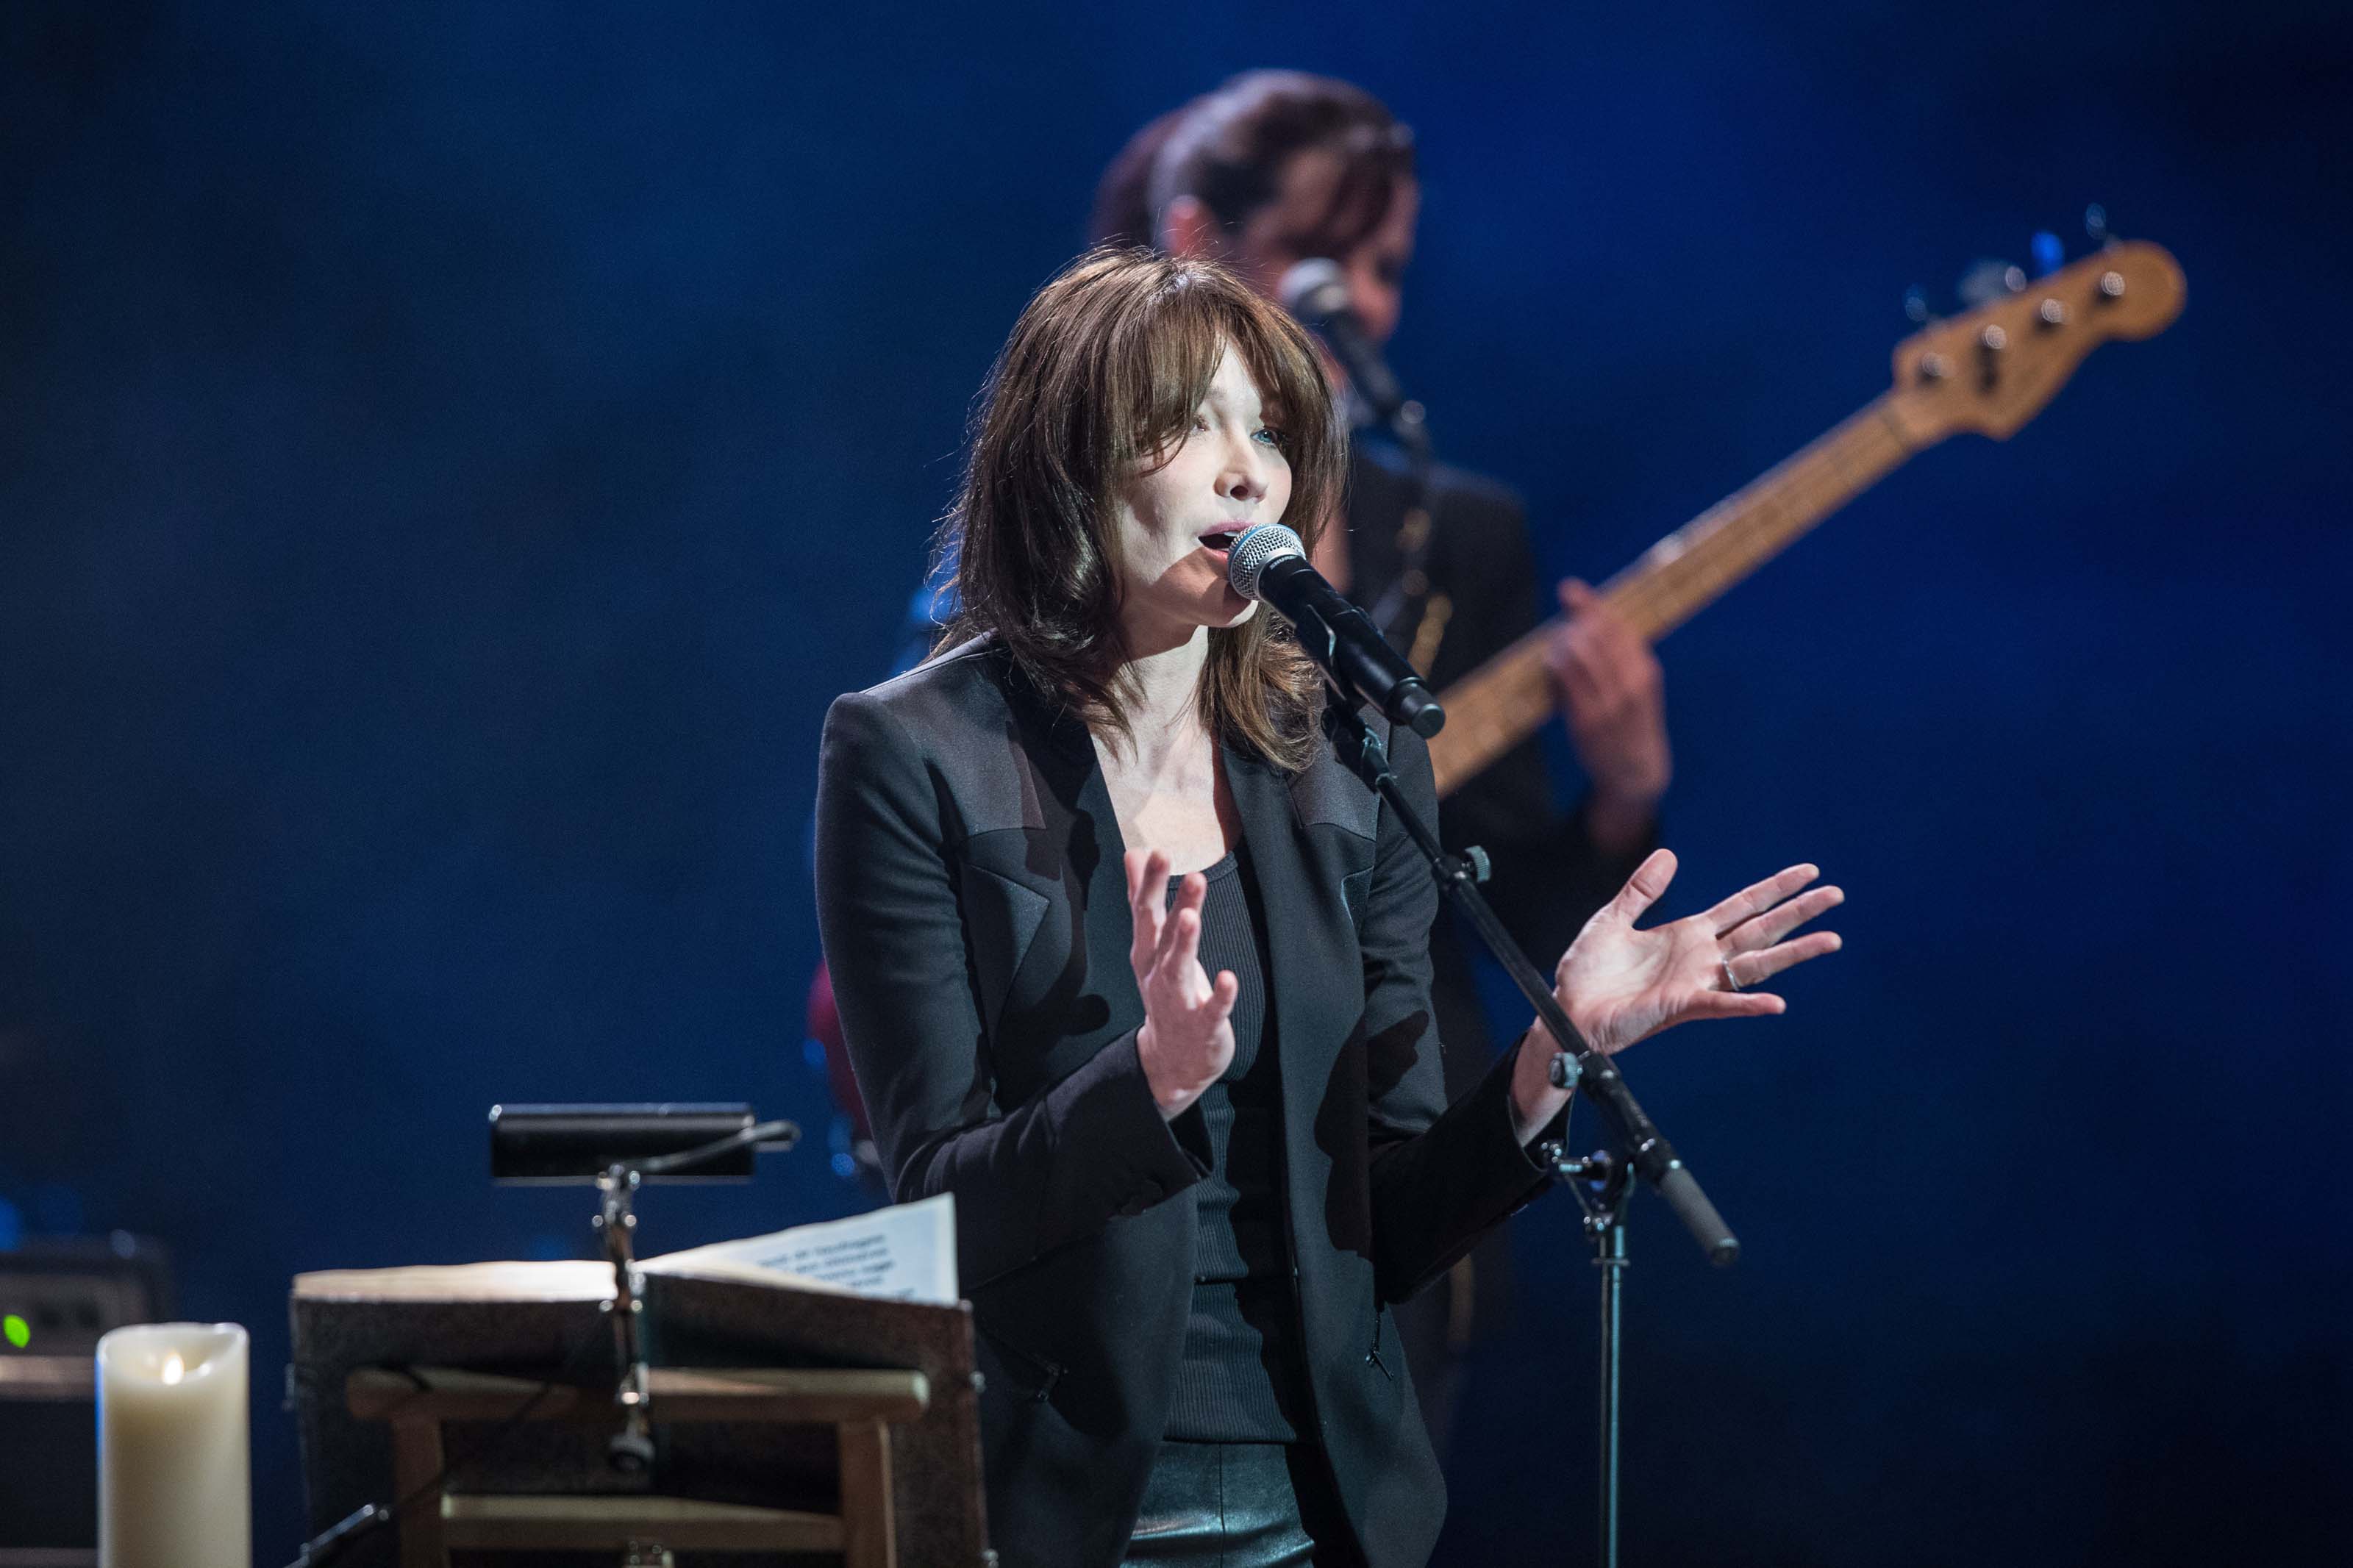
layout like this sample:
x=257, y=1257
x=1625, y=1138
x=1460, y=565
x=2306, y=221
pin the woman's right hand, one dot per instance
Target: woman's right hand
x=1188, y=1038
x=1619, y=985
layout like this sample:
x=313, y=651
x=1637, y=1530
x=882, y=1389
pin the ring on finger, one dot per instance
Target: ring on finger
x=1730, y=982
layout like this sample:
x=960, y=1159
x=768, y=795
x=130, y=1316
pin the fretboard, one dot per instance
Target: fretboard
x=1502, y=702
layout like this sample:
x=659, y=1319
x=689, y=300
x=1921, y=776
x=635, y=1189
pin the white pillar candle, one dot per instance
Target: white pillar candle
x=174, y=1488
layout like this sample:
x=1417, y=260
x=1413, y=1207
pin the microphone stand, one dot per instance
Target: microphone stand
x=1409, y=429
x=1316, y=291
x=1601, y=1182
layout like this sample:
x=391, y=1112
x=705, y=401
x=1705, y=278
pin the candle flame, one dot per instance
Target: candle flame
x=175, y=1368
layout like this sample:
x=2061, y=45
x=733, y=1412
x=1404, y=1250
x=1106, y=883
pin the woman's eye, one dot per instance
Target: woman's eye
x=1273, y=438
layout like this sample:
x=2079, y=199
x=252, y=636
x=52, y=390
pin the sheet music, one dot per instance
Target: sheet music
x=902, y=1253
x=567, y=1279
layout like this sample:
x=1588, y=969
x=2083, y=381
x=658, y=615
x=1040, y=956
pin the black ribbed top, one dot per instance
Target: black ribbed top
x=1240, y=1380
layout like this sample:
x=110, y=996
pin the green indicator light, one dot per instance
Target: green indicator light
x=19, y=1332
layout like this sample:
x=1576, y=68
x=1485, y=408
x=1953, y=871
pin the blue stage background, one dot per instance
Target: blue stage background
x=450, y=456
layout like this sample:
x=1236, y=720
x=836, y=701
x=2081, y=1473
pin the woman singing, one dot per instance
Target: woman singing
x=1185, y=1205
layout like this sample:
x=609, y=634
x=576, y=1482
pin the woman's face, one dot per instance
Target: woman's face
x=1174, y=523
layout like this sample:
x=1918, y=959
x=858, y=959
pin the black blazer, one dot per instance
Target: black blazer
x=974, y=909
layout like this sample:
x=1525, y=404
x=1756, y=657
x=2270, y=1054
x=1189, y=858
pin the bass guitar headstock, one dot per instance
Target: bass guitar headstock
x=1992, y=370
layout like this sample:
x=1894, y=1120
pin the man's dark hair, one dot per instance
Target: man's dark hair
x=1228, y=149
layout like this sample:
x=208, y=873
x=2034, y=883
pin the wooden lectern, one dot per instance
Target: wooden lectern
x=789, y=1421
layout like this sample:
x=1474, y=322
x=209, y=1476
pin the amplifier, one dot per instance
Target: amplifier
x=57, y=1297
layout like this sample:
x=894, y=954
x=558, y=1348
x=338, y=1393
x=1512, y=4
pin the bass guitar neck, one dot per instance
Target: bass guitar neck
x=1989, y=372
x=1504, y=701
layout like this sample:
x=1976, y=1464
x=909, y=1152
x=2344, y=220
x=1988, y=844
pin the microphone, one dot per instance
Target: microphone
x=1316, y=292
x=1268, y=562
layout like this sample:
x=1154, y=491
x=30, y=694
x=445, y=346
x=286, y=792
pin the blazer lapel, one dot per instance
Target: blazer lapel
x=1311, y=948
x=1080, y=856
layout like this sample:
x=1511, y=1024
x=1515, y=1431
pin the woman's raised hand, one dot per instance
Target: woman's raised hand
x=1188, y=1038
x=1618, y=986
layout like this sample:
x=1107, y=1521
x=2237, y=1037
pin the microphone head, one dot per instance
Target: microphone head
x=1259, y=547
x=1314, y=291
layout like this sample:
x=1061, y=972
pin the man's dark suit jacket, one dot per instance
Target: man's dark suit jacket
x=973, y=908
x=1548, y=875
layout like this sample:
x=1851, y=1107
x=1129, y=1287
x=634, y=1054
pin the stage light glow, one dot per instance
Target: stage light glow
x=19, y=1332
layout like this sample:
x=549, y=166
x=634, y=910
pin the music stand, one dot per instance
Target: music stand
x=786, y=1419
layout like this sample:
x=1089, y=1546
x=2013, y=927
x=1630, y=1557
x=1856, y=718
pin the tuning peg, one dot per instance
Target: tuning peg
x=2049, y=254
x=1990, y=280
x=1916, y=306
x=2096, y=223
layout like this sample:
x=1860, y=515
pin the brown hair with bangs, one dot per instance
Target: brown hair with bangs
x=1098, y=382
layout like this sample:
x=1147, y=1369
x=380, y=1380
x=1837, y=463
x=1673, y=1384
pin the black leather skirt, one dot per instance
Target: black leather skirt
x=1240, y=1505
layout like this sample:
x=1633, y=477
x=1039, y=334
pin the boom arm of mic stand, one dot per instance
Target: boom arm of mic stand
x=1638, y=1138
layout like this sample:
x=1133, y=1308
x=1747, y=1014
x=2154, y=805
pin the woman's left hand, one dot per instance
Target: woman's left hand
x=1619, y=985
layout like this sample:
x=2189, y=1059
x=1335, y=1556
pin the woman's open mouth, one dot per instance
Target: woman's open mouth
x=1217, y=541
